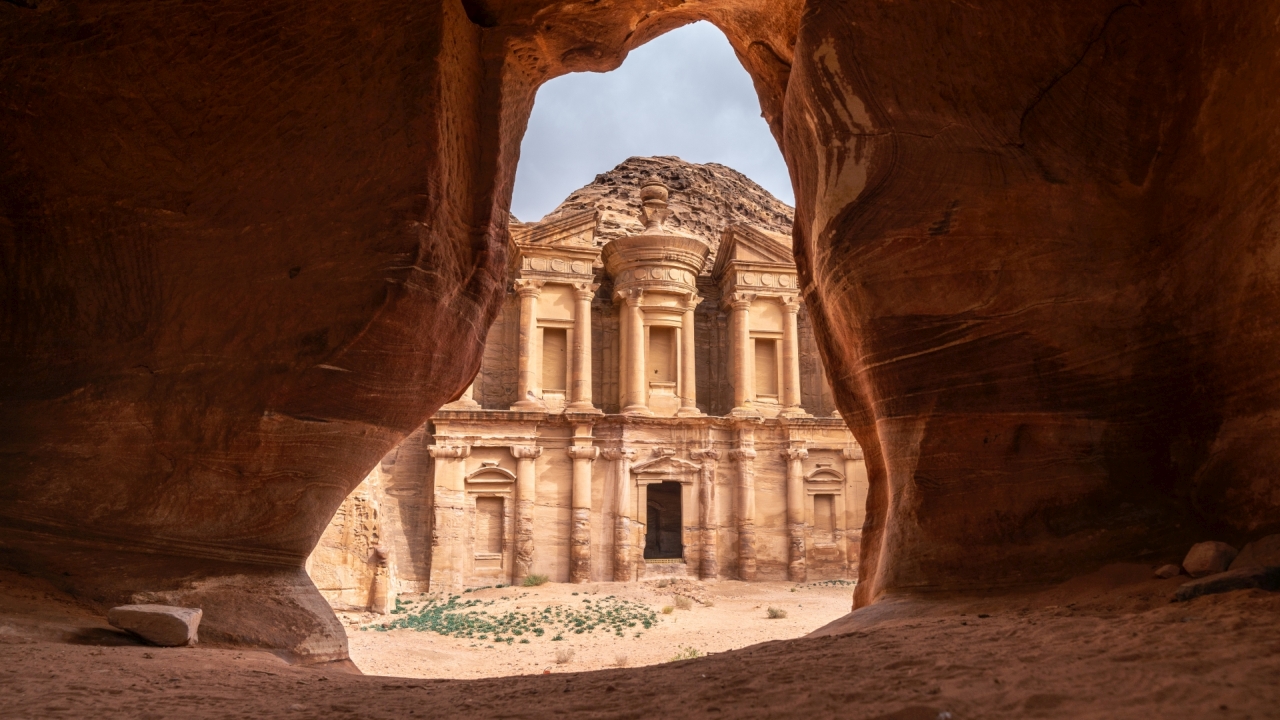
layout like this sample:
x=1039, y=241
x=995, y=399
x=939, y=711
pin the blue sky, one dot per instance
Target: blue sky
x=683, y=94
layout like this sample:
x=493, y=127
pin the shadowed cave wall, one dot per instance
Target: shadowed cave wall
x=246, y=249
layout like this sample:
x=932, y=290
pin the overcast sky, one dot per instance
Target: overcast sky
x=684, y=94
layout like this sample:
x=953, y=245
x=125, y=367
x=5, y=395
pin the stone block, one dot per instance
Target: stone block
x=1262, y=553
x=1241, y=579
x=164, y=625
x=1164, y=572
x=1208, y=558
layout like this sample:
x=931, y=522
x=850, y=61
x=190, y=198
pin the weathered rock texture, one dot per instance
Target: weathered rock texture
x=247, y=248
x=158, y=624
x=705, y=199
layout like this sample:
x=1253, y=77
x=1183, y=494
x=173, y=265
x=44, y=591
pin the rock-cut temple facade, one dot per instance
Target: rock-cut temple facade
x=646, y=406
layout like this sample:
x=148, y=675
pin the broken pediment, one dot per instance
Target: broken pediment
x=569, y=230
x=746, y=244
x=666, y=466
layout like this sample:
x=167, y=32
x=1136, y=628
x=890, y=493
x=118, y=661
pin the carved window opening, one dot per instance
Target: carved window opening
x=766, y=362
x=555, y=359
x=662, y=354
x=824, y=517
x=663, y=538
x=488, y=525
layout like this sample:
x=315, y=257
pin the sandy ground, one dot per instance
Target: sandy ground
x=1109, y=645
x=735, y=617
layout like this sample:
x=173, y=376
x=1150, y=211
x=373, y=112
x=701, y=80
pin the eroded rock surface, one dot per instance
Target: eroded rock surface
x=246, y=251
x=163, y=625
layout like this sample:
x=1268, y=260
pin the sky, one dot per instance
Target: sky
x=683, y=94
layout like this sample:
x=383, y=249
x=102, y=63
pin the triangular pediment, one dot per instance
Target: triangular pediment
x=666, y=466
x=569, y=230
x=743, y=243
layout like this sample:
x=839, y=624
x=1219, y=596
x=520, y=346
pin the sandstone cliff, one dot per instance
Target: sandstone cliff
x=704, y=200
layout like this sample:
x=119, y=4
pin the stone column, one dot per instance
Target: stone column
x=623, y=527
x=449, y=527
x=708, y=568
x=526, y=493
x=633, y=362
x=580, y=531
x=740, y=352
x=580, y=386
x=528, y=383
x=466, y=402
x=855, y=478
x=745, y=458
x=795, y=512
x=791, y=358
x=688, y=361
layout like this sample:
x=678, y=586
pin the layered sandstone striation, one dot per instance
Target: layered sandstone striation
x=245, y=252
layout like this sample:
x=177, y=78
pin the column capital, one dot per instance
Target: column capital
x=705, y=455
x=795, y=453
x=585, y=290
x=692, y=300
x=528, y=288
x=741, y=454
x=449, y=451
x=619, y=453
x=852, y=453
x=526, y=452
x=630, y=296
x=583, y=452
x=739, y=300
x=790, y=303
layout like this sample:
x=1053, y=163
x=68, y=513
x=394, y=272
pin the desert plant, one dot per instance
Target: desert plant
x=682, y=602
x=535, y=580
x=662, y=583
x=667, y=610
x=620, y=660
x=686, y=653
x=564, y=655
x=708, y=603
x=776, y=613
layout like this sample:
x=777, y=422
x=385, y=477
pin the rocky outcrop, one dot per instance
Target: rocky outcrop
x=704, y=200
x=245, y=252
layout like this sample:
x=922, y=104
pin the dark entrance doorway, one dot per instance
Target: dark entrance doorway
x=662, y=537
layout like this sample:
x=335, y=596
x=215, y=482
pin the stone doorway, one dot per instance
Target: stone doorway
x=662, y=539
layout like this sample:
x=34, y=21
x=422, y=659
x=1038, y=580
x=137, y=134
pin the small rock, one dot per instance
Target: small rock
x=163, y=625
x=1242, y=579
x=1208, y=558
x=1164, y=572
x=1262, y=553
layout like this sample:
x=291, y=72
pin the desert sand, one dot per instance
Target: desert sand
x=1108, y=645
x=736, y=617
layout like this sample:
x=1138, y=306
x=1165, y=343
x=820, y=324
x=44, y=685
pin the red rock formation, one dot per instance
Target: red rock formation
x=246, y=248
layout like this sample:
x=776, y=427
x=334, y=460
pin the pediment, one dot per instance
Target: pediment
x=666, y=466
x=569, y=230
x=743, y=243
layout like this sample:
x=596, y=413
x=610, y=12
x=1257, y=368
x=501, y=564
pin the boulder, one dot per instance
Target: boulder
x=164, y=625
x=1164, y=572
x=1262, y=553
x=1241, y=579
x=1208, y=558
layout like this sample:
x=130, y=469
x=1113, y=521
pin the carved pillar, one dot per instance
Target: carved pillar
x=449, y=529
x=526, y=493
x=580, y=531
x=528, y=382
x=740, y=352
x=791, y=358
x=688, y=361
x=746, y=511
x=708, y=569
x=623, y=570
x=855, y=478
x=795, y=512
x=580, y=386
x=633, y=361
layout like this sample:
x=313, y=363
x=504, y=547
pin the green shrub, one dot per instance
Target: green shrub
x=535, y=580
x=776, y=613
x=686, y=653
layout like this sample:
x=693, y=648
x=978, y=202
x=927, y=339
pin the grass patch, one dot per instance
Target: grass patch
x=686, y=653
x=535, y=580
x=469, y=619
